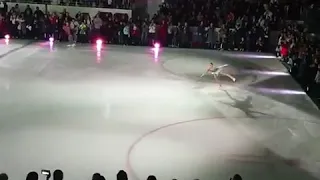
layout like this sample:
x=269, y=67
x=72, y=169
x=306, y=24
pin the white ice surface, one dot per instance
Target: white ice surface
x=62, y=109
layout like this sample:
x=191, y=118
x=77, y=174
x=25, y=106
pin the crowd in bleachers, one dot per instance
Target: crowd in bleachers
x=301, y=54
x=225, y=25
x=193, y=24
x=58, y=175
x=228, y=25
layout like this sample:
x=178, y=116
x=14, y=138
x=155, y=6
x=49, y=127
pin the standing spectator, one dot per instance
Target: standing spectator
x=144, y=33
x=17, y=9
x=185, y=36
x=126, y=34
x=36, y=27
x=211, y=36
x=284, y=51
x=201, y=34
x=83, y=36
x=14, y=25
x=66, y=32
x=135, y=34
x=170, y=34
x=28, y=11
x=2, y=26
x=152, y=32
x=163, y=30
x=22, y=26
x=242, y=44
x=317, y=78
x=74, y=29
x=38, y=12
x=259, y=44
x=97, y=23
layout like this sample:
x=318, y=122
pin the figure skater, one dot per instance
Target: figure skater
x=217, y=71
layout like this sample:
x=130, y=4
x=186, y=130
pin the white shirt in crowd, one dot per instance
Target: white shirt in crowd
x=20, y=21
x=317, y=78
x=152, y=28
x=170, y=28
x=13, y=19
x=126, y=30
x=97, y=22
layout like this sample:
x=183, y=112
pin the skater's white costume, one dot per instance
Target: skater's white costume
x=217, y=71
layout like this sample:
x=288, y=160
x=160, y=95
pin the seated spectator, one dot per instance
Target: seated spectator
x=96, y=176
x=102, y=178
x=151, y=177
x=122, y=175
x=57, y=175
x=3, y=176
x=32, y=176
x=236, y=177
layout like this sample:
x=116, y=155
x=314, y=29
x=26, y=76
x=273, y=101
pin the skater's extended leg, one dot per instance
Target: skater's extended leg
x=229, y=76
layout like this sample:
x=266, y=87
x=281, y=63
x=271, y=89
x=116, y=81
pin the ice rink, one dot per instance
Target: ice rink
x=85, y=111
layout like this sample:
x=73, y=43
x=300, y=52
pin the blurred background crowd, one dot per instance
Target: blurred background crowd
x=287, y=28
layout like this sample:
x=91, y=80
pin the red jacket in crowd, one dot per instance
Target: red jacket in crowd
x=163, y=32
x=284, y=50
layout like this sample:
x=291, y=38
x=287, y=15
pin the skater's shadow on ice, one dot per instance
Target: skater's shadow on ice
x=244, y=106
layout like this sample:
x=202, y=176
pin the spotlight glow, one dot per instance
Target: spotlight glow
x=7, y=36
x=99, y=42
x=155, y=54
x=51, y=39
x=98, y=53
x=51, y=46
x=98, y=57
x=157, y=45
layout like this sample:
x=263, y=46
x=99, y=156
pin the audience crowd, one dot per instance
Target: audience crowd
x=58, y=175
x=301, y=54
x=179, y=24
x=237, y=25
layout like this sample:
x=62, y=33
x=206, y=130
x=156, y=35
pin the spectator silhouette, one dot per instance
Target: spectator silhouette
x=32, y=176
x=151, y=177
x=57, y=175
x=96, y=176
x=122, y=175
x=102, y=178
x=3, y=176
x=236, y=177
